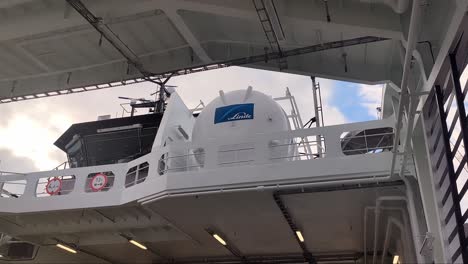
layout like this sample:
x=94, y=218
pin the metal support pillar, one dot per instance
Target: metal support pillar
x=318, y=113
x=428, y=192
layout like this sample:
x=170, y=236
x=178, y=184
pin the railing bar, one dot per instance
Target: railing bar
x=443, y=177
x=440, y=158
x=456, y=254
x=296, y=144
x=14, y=183
x=465, y=217
x=185, y=155
x=367, y=149
x=446, y=195
x=450, y=214
x=371, y=135
x=178, y=168
x=294, y=156
x=463, y=190
x=452, y=235
x=232, y=150
x=461, y=167
x=234, y=162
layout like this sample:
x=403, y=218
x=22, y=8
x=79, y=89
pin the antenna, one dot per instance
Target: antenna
x=138, y=103
x=163, y=93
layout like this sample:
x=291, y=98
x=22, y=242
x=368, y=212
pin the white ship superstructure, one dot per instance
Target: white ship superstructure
x=241, y=179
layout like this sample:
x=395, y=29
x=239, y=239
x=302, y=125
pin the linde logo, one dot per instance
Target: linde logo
x=235, y=112
x=239, y=116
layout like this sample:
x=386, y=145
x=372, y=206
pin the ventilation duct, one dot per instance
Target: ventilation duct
x=14, y=250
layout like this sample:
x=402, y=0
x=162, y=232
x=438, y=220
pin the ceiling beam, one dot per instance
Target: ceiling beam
x=106, y=32
x=187, y=34
x=228, y=244
x=292, y=225
x=355, y=18
x=252, y=60
x=271, y=259
x=358, y=18
x=274, y=55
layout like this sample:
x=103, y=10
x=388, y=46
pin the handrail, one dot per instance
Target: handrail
x=12, y=173
x=64, y=164
x=210, y=156
x=457, y=156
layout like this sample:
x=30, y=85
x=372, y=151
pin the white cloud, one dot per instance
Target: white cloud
x=371, y=97
x=30, y=138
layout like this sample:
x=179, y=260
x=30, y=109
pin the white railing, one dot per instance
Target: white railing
x=276, y=147
x=187, y=158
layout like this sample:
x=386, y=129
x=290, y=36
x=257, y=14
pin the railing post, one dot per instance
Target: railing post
x=30, y=188
x=333, y=143
x=211, y=156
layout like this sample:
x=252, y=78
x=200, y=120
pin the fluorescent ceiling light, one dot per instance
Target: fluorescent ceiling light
x=66, y=248
x=136, y=243
x=396, y=259
x=220, y=240
x=299, y=235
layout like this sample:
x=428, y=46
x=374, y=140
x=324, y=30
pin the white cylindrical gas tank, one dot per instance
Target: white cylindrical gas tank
x=238, y=116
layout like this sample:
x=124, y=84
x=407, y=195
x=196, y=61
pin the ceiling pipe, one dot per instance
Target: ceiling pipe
x=406, y=224
x=404, y=100
x=393, y=221
x=407, y=101
x=412, y=220
x=398, y=6
x=378, y=204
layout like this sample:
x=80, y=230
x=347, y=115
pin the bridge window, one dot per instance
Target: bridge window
x=373, y=140
x=136, y=175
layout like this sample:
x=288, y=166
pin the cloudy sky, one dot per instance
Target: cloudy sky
x=28, y=129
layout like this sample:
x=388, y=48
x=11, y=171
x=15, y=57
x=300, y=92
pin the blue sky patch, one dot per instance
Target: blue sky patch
x=346, y=98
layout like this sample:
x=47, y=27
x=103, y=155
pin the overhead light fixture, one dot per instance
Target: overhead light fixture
x=396, y=259
x=138, y=244
x=67, y=248
x=220, y=239
x=299, y=236
x=1, y=256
